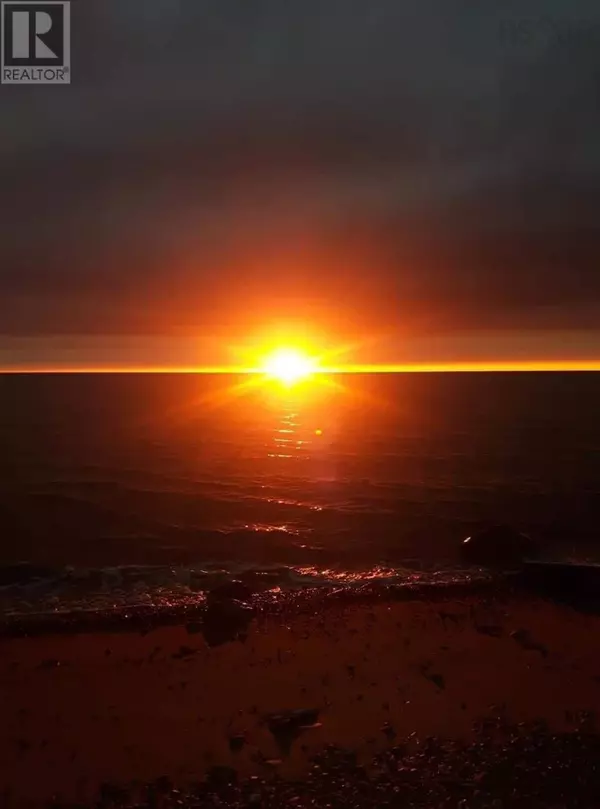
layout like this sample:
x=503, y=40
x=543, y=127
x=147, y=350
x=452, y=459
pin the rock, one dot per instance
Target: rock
x=226, y=621
x=498, y=546
x=287, y=726
x=573, y=583
x=525, y=641
x=184, y=651
x=388, y=731
x=112, y=795
x=234, y=589
x=302, y=718
x=237, y=742
x=437, y=680
x=221, y=776
x=273, y=762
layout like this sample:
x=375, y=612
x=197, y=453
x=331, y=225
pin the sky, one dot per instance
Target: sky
x=418, y=180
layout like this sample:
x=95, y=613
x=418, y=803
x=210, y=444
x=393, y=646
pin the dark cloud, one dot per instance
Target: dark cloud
x=437, y=158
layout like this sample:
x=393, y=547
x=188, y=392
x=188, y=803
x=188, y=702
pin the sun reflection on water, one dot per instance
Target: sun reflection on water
x=293, y=432
x=269, y=528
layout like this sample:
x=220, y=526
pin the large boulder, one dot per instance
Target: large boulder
x=498, y=546
x=226, y=620
x=233, y=589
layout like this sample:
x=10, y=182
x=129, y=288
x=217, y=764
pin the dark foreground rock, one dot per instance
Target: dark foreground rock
x=286, y=727
x=499, y=546
x=226, y=620
x=233, y=589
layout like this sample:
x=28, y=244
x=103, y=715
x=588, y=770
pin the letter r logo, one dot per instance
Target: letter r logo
x=21, y=21
x=35, y=34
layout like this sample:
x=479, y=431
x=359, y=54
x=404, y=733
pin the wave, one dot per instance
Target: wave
x=36, y=592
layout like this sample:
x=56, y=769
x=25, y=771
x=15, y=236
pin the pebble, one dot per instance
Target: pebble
x=546, y=770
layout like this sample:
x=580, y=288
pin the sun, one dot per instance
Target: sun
x=289, y=365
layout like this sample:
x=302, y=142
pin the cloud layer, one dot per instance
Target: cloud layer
x=438, y=159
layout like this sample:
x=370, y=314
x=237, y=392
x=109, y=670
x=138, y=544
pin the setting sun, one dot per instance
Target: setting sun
x=288, y=365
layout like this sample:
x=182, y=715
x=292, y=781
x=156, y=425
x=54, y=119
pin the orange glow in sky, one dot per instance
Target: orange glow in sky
x=299, y=352
x=441, y=367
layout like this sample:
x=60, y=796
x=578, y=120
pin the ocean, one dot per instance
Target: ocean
x=144, y=489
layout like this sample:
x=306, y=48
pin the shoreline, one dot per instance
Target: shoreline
x=570, y=584
x=263, y=605
x=103, y=707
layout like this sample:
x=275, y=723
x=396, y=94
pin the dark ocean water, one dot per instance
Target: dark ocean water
x=146, y=488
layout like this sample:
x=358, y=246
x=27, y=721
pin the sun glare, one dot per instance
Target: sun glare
x=288, y=365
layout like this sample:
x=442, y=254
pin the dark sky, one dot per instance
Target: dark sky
x=434, y=164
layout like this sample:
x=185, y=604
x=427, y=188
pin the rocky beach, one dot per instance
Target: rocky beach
x=444, y=698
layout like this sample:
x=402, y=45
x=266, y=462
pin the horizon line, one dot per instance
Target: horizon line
x=370, y=368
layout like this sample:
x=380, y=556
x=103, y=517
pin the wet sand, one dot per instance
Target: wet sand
x=80, y=710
